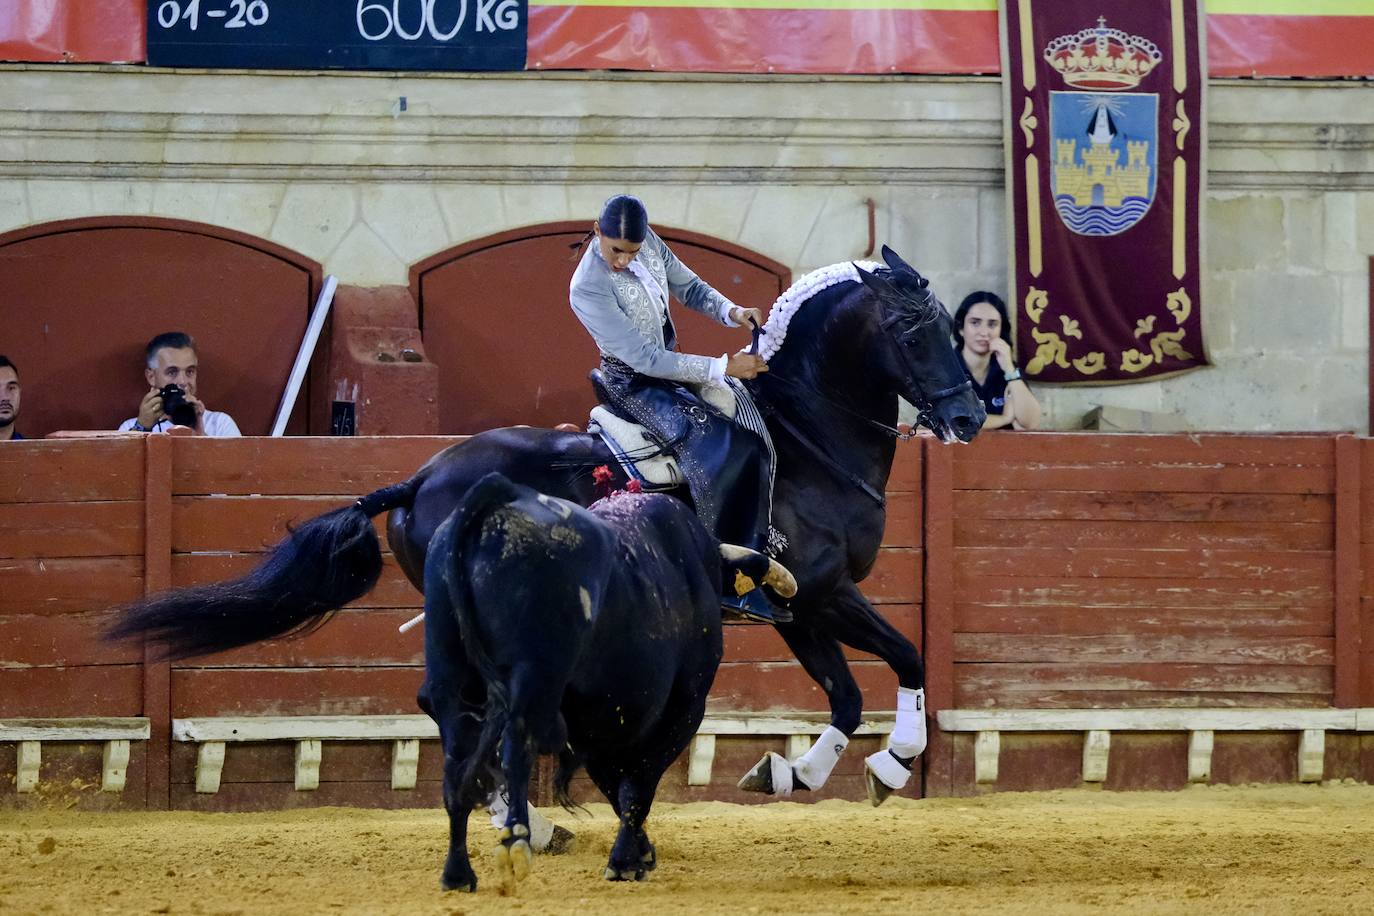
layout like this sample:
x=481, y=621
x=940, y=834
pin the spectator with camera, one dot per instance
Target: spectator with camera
x=9, y=400
x=171, y=372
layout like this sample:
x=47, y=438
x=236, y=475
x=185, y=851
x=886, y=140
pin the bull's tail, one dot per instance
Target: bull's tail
x=324, y=564
x=450, y=543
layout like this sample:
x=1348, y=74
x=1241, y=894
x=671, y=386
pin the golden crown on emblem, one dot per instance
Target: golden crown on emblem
x=1102, y=59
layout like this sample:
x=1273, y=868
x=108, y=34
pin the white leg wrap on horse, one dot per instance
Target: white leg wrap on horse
x=815, y=766
x=781, y=772
x=909, y=732
x=541, y=828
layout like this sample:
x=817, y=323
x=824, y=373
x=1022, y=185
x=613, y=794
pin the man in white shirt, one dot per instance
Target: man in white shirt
x=172, y=360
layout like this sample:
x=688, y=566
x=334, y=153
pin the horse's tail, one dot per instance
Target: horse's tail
x=324, y=564
x=569, y=762
x=450, y=545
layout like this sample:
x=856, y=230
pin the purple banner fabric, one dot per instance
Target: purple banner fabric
x=1104, y=109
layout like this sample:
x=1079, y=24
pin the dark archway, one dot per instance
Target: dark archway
x=82, y=297
x=495, y=318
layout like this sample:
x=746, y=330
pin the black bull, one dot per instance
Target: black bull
x=591, y=633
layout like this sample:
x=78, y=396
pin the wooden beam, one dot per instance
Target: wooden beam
x=987, y=750
x=1311, y=755
x=114, y=766
x=87, y=729
x=797, y=745
x=209, y=765
x=30, y=758
x=1155, y=720
x=1097, y=746
x=1200, y=743
x=1347, y=573
x=298, y=728
x=405, y=763
x=157, y=577
x=701, y=755
x=308, y=754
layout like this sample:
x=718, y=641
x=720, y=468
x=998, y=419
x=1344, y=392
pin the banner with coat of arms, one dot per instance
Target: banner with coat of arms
x=1105, y=157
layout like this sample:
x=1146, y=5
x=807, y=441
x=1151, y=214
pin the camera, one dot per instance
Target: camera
x=176, y=407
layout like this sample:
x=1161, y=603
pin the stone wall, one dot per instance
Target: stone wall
x=334, y=166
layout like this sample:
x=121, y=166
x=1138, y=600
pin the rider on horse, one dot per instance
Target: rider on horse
x=620, y=294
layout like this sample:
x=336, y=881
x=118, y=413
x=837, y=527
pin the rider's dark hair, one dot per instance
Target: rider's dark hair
x=173, y=340
x=624, y=217
x=969, y=302
x=5, y=361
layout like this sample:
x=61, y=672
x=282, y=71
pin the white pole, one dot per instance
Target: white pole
x=312, y=337
x=412, y=623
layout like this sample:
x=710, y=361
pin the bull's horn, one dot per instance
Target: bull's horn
x=777, y=577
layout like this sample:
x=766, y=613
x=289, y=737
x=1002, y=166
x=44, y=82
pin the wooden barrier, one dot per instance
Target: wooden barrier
x=1040, y=573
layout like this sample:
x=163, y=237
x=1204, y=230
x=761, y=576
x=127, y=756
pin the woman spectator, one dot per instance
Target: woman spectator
x=983, y=338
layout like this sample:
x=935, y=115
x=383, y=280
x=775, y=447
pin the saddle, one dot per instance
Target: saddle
x=645, y=455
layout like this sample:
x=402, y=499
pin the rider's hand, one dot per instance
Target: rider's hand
x=150, y=409
x=1002, y=350
x=741, y=316
x=745, y=365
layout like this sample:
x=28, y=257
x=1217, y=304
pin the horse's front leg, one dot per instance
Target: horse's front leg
x=823, y=658
x=851, y=619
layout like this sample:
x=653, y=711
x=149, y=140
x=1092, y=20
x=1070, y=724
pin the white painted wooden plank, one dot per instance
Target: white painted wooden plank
x=405, y=763
x=987, y=749
x=880, y=724
x=1364, y=720
x=209, y=765
x=114, y=765
x=26, y=769
x=298, y=728
x=1311, y=755
x=701, y=754
x=393, y=728
x=112, y=729
x=1051, y=720
x=797, y=745
x=1200, y=742
x=308, y=765
x=1097, y=746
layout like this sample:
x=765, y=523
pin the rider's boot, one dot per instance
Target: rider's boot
x=754, y=605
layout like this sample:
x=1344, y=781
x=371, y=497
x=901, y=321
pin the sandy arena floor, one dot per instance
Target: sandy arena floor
x=1206, y=850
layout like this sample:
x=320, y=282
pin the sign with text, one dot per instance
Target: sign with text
x=338, y=34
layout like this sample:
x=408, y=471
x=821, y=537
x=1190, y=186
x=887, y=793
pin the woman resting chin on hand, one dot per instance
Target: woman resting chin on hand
x=983, y=337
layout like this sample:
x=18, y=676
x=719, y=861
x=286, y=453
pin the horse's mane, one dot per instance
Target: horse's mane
x=917, y=306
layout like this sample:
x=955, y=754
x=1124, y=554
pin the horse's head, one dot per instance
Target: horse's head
x=922, y=361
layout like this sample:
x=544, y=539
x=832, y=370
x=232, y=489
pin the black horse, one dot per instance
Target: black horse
x=592, y=633
x=842, y=357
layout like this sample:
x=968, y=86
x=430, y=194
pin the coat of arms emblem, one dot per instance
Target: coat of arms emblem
x=1104, y=172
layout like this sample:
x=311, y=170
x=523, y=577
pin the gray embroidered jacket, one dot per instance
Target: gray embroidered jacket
x=625, y=315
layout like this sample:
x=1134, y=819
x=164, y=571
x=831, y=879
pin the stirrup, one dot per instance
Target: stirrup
x=752, y=605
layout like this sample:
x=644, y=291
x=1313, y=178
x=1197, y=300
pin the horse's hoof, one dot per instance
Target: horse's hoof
x=884, y=773
x=563, y=840
x=513, y=855
x=772, y=776
x=627, y=874
x=650, y=859
x=877, y=791
x=467, y=885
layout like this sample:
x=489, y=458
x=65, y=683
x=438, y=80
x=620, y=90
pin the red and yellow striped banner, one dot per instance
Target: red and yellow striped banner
x=1245, y=37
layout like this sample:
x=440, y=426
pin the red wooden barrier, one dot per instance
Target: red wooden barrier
x=1045, y=570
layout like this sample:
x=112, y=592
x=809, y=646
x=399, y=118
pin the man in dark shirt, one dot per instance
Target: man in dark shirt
x=9, y=400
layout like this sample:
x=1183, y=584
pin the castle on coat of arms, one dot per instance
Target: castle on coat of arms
x=1096, y=177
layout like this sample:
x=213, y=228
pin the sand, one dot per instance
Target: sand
x=1215, y=850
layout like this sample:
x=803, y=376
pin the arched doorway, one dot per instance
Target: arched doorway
x=495, y=319
x=81, y=298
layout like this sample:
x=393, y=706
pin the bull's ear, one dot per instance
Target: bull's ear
x=902, y=267
x=882, y=287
